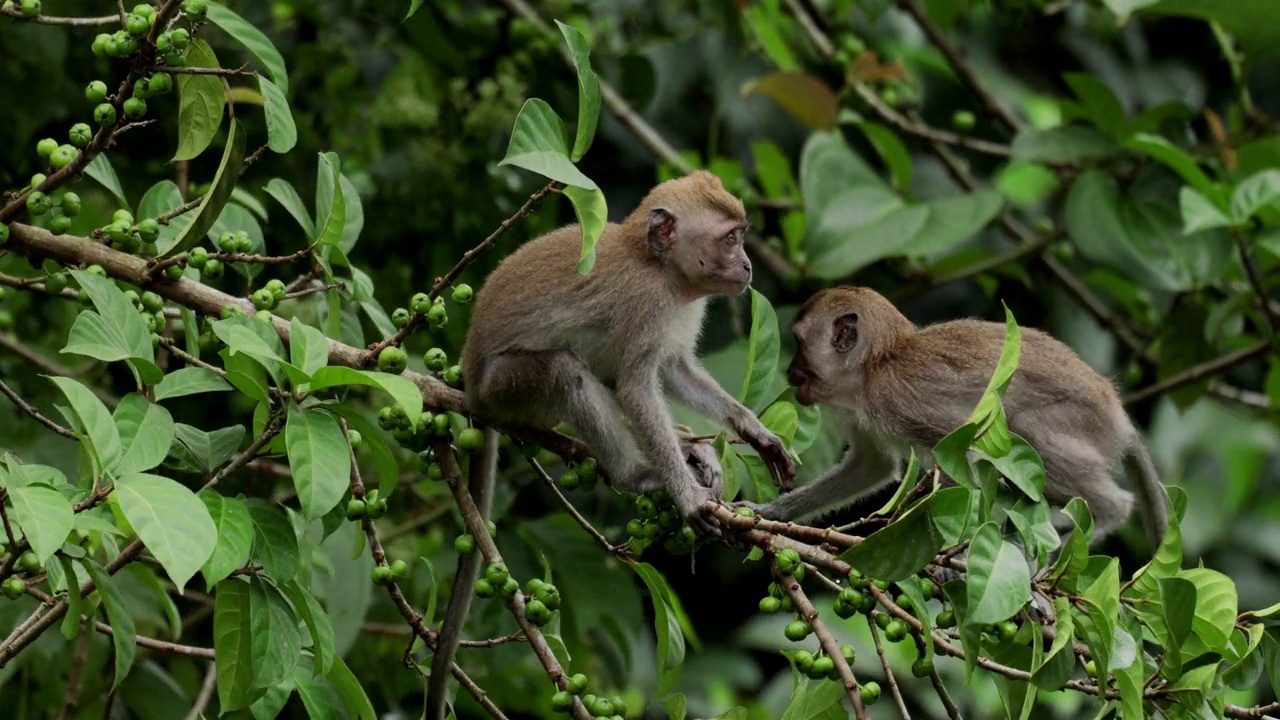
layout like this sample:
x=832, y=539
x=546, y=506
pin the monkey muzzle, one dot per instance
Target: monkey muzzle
x=798, y=377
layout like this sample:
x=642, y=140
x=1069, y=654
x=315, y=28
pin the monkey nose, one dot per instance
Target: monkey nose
x=796, y=376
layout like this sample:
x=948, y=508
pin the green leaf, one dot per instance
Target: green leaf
x=1198, y=213
x=92, y=421
x=676, y=706
x=350, y=690
x=1006, y=366
x=319, y=698
x=401, y=389
x=1164, y=564
x=782, y=420
x=901, y=548
x=100, y=169
x=317, y=621
x=335, y=213
x=126, y=329
x=385, y=467
x=588, y=90
x=224, y=181
x=308, y=348
x=123, y=635
x=1129, y=680
x=202, y=452
x=414, y=5
x=160, y=199
x=355, y=215
x=593, y=214
x=538, y=144
x=189, y=381
x=151, y=503
x=892, y=151
x=1023, y=467
x=319, y=459
x=1254, y=193
x=666, y=625
x=763, y=347
x=1074, y=555
x=1101, y=600
x=999, y=581
x=275, y=543
x=201, y=100
x=828, y=169
x=1057, y=667
x=1176, y=159
x=1216, y=606
x=1098, y=103
x=235, y=536
x=816, y=700
x=909, y=479
x=254, y=41
x=146, y=433
x=1062, y=144
x=284, y=194
x=952, y=454
x=233, y=644
x=274, y=622
x=44, y=515
x=1178, y=609
x=951, y=514
x=282, y=134
x=70, y=627
x=767, y=27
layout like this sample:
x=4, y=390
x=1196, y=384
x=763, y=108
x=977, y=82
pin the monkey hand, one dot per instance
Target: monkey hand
x=692, y=500
x=774, y=453
x=702, y=459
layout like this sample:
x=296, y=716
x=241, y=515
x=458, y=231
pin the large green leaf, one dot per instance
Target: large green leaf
x=92, y=421
x=353, y=696
x=1254, y=193
x=319, y=458
x=257, y=43
x=233, y=644
x=588, y=90
x=275, y=543
x=235, y=536
x=120, y=327
x=202, y=452
x=224, y=181
x=1062, y=144
x=538, y=144
x=763, y=345
x=667, y=626
x=189, y=381
x=829, y=167
x=1098, y=614
x=401, y=389
x=44, y=516
x=1216, y=606
x=901, y=548
x=332, y=207
x=146, y=433
x=123, y=635
x=317, y=622
x=100, y=169
x=593, y=214
x=151, y=503
x=999, y=581
x=1176, y=159
x=201, y=100
x=1059, y=663
x=273, y=619
x=286, y=195
x=308, y=348
x=1023, y=467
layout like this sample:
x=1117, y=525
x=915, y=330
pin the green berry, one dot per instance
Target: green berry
x=1006, y=630
x=62, y=156
x=537, y=612
x=59, y=224
x=149, y=230
x=442, y=425
x=135, y=108
x=27, y=562
x=80, y=135
x=104, y=115
x=462, y=294
x=437, y=316
x=144, y=10
x=400, y=317
x=180, y=38
x=770, y=605
x=946, y=619
x=882, y=620
x=420, y=303
x=355, y=509
x=436, y=359
x=55, y=283
x=435, y=472
x=797, y=630
x=355, y=439
x=38, y=203
x=788, y=561
x=1091, y=669
x=509, y=588
x=549, y=595
x=137, y=25
x=213, y=269
x=803, y=661
x=277, y=289
x=96, y=91
x=30, y=8
x=822, y=667
x=464, y=544
x=848, y=653
x=14, y=588
x=963, y=120
x=377, y=508
x=399, y=569
x=227, y=242
x=45, y=147
x=100, y=45
x=569, y=479
x=635, y=528
x=142, y=89
x=471, y=440
x=577, y=684
x=745, y=512
x=197, y=257
x=195, y=9
x=392, y=360
x=263, y=299
x=922, y=667
x=603, y=707
x=896, y=630
x=453, y=376
x=244, y=243
x=173, y=272
x=161, y=84
x=562, y=702
x=484, y=588
x=496, y=573
x=870, y=692
x=381, y=575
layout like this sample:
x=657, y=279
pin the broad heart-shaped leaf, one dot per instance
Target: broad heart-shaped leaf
x=401, y=389
x=317, y=621
x=100, y=169
x=816, y=700
x=158, y=200
x=805, y=97
x=146, y=433
x=308, y=348
x=538, y=144
x=1216, y=606
x=666, y=625
x=275, y=543
x=233, y=645
x=286, y=195
x=271, y=616
x=189, y=381
x=123, y=634
x=1140, y=235
x=1057, y=666
x=1198, y=213
x=201, y=452
x=763, y=346
x=91, y=421
x=235, y=536
x=319, y=458
x=44, y=515
x=999, y=581
x=782, y=420
x=899, y=549
x=1254, y=193
x=127, y=330
x=151, y=503
x=593, y=215
x=1023, y=468
x=258, y=44
x=828, y=168
x=224, y=181
x=201, y=100
x=1178, y=610
x=334, y=213
x=588, y=90
x=1064, y=144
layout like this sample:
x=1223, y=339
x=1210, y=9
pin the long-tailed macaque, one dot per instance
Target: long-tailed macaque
x=899, y=388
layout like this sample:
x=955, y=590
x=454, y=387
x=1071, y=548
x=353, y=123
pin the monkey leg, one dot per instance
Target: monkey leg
x=1075, y=467
x=702, y=459
x=542, y=388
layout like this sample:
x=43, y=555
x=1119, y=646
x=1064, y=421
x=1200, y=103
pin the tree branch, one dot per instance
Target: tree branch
x=35, y=414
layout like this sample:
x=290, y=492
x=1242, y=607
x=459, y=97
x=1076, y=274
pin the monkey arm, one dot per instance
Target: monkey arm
x=863, y=468
x=690, y=383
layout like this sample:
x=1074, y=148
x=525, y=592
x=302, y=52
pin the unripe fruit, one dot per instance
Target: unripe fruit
x=436, y=359
x=882, y=620
x=197, y=257
x=788, y=561
x=770, y=605
x=180, y=38
x=420, y=303
x=635, y=528
x=277, y=289
x=104, y=115
x=62, y=156
x=437, y=316
x=195, y=9
x=161, y=84
x=804, y=661
x=946, y=619
x=392, y=360
x=100, y=44
x=822, y=666
x=135, y=108
x=848, y=653
x=1006, y=630
x=496, y=573
x=797, y=630
x=577, y=683
x=471, y=440
x=400, y=317
x=227, y=242
x=453, y=376
x=45, y=147
x=896, y=630
x=377, y=508
x=38, y=203
x=28, y=562
x=56, y=283
x=549, y=595
x=144, y=10
x=537, y=612
x=149, y=230
x=745, y=512
x=30, y=8
x=462, y=294
x=213, y=269
x=14, y=588
x=399, y=569
x=80, y=135
x=442, y=425
x=603, y=707
x=263, y=299
x=963, y=120
x=381, y=575
x=509, y=588
x=484, y=588
x=562, y=701
x=922, y=667
x=870, y=692
x=137, y=25
x=464, y=544
x=96, y=91
x=1091, y=669
x=59, y=224
x=230, y=311
x=355, y=509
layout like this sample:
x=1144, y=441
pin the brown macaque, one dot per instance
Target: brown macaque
x=603, y=351
x=899, y=388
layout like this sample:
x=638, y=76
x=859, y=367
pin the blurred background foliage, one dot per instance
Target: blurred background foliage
x=420, y=112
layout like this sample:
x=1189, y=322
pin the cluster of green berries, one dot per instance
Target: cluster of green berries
x=373, y=506
x=268, y=296
x=209, y=267
x=235, y=242
x=416, y=435
x=581, y=476
x=541, y=598
x=16, y=587
x=150, y=306
x=599, y=707
x=437, y=361
x=657, y=520
x=63, y=206
x=387, y=574
x=776, y=601
x=465, y=544
x=30, y=8
x=820, y=666
x=127, y=41
x=127, y=236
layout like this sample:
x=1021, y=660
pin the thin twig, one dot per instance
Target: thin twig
x=71, y=698
x=180, y=70
x=15, y=13
x=1251, y=272
x=206, y=693
x=953, y=712
x=35, y=414
x=168, y=344
x=788, y=529
x=1199, y=372
x=595, y=534
x=888, y=672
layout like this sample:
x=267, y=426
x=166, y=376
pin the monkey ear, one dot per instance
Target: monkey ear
x=844, y=332
x=662, y=230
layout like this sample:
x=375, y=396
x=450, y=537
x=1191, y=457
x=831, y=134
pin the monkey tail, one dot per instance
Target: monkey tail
x=1151, y=495
x=482, y=475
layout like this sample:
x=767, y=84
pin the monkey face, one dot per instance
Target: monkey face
x=712, y=257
